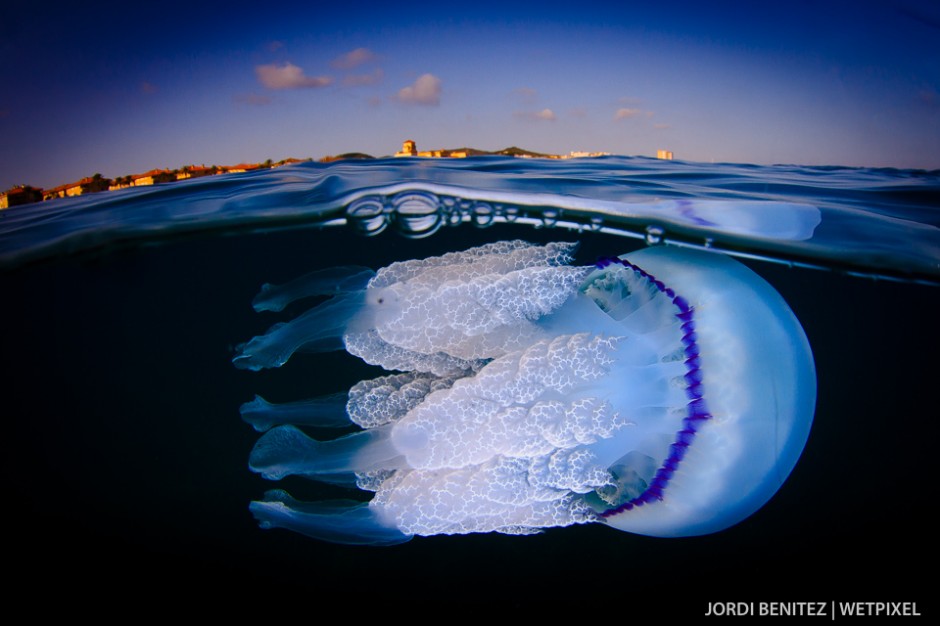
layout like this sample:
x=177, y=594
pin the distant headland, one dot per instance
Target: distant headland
x=27, y=194
x=410, y=149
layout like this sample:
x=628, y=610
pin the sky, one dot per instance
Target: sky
x=122, y=88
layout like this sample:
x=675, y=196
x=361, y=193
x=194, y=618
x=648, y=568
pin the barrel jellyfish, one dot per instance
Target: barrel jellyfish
x=667, y=392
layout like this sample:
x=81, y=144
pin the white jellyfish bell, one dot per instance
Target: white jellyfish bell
x=668, y=392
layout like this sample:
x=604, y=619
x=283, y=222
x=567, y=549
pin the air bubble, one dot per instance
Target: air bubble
x=654, y=235
x=550, y=217
x=367, y=215
x=417, y=213
x=483, y=215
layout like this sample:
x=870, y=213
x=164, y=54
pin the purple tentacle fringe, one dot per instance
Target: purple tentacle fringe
x=697, y=412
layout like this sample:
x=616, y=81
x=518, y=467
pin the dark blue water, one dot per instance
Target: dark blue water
x=125, y=466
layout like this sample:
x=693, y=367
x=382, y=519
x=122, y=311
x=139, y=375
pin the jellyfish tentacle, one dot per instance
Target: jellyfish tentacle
x=328, y=282
x=286, y=450
x=318, y=330
x=343, y=521
x=323, y=412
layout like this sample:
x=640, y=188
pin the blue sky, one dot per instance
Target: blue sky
x=120, y=89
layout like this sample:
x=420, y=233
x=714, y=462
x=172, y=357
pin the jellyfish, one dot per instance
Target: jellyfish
x=666, y=392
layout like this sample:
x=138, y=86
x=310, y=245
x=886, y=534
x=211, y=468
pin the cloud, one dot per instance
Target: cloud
x=275, y=45
x=355, y=80
x=545, y=114
x=354, y=59
x=288, y=76
x=527, y=94
x=252, y=98
x=624, y=113
x=426, y=90
x=662, y=126
x=148, y=88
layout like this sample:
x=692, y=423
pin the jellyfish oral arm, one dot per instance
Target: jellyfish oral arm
x=320, y=283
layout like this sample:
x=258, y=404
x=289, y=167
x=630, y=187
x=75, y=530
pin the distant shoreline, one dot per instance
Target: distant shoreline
x=27, y=194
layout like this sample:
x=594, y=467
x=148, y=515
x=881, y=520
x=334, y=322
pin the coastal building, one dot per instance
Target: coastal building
x=194, y=171
x=89, y=184
x=664, y=154
x=21, y=194
x=152, y=178
x=408, y=149
x=55, y=192
x=581, y=154
x=242, y=167
x=121, y=182
x=25, y=194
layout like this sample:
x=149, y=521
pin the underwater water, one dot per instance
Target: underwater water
x=125, y=449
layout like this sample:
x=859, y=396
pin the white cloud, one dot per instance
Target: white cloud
x=623, y=113
x=426, y=90
x=354, y=58
x=288, y=76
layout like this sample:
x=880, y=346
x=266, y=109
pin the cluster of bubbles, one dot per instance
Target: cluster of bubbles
x=418, y=213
